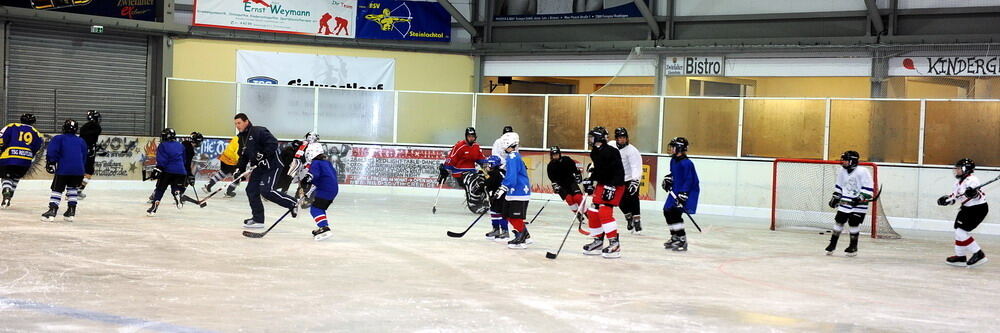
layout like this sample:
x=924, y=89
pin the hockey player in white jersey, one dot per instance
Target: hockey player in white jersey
x=972, y=211
x=632, y=162
x=498, y=149
x=851, y=195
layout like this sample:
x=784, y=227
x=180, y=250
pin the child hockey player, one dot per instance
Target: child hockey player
x=851, y=195
x=566, y=179
x=65, y=157
x=515, y=191
x=494, y=179
x=498, y=149
x=461, y=165
x=287, y=157
x=971, y=213
x=19, y=142
x=323, y=177
x=683, y=185
x=190, y=146
x=605, y=185
x=632, y=163
x=227, y=168
x=90, y=132
x=170, y=170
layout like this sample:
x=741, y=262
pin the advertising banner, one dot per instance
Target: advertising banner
x=404, y=20
x=944, y=66
x=538, y=10
x=125, y=9
x=315, y=70
x=328, y=18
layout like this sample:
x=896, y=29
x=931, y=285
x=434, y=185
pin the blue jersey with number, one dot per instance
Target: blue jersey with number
x=18, y=144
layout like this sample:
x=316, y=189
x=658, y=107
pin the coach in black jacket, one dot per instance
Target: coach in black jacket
x=260, y=150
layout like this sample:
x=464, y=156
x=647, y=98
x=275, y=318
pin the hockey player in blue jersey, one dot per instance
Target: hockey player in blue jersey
x=65, y=157
x=170, y=170
x=323, y=178
x=683, y=185
x=515, y=189
x=19, y=142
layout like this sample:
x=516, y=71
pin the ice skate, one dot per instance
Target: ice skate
x=70, y=213
x=7, y=195
x=637, y=223
x=672, y=243
x=152, y=209
x=250, y=223
x=977, y=259
x=681, y=245
x=503, y=236
x=595, y=247
x=493, y=234
x=833, y=245
x=519, y=241
x=957, y=261
x=322, y=233
x=613, y=250
x=50, y=215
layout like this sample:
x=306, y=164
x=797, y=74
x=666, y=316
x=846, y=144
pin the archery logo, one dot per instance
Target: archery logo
x=392, y=19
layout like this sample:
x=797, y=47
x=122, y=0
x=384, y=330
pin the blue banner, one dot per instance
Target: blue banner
x=403, y=20
x=126, y=9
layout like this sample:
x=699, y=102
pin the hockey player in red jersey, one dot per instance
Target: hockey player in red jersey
x=606, y=185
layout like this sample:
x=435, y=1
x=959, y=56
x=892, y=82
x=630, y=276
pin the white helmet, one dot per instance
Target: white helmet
x=314, y=150
x=312, y=137
x=510, y=139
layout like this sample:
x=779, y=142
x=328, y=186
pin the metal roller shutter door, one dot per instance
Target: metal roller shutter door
x=58, y=74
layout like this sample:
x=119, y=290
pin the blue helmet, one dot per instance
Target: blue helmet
x=493, y=161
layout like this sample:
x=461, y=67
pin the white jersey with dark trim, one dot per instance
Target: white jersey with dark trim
x=631, y=161
x=959, y=193
x=851, y=185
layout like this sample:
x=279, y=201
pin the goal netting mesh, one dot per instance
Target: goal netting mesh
x=801, y=190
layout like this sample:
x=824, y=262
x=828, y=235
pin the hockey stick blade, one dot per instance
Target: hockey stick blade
x=459, y=235
x=251, y=234
x=551, y=255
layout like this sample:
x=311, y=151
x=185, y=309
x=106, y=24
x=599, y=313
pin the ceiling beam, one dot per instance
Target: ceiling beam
x=654, y=27
x=458, y=17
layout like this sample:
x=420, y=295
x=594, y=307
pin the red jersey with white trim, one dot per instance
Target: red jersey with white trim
x=463, y=157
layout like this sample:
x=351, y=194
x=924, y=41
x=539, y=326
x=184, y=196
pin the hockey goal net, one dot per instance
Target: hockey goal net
x=801, y=189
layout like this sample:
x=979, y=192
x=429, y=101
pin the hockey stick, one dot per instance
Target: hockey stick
x=981, y=185
x=261, y=234
x=186, y=198
x=238, y=178
x=434, y=210
x=683, y=209
x=579, y=211
x=459, y=235
x=539, y=211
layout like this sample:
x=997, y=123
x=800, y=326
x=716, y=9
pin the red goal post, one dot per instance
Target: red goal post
x=800, y=189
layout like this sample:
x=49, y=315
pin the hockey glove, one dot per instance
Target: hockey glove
x=262, y=162
x=92, y=152
x=609, y=193
x=442, y=173
x=102, y=151
x=856, y=201
x=682, y=198
x=633, y=188
x=588, y=186
x=50, y=167
x=190, y=180
x=500, y=192
x=668, y=183
x=971, y=193
x=578, y=178
x=835, y=200
x=945, y=200
x=155, y=173
x=556, y=188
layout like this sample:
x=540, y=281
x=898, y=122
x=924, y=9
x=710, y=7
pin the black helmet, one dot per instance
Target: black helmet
x=621, y=132
x=94, y=116
x=70, y=126
x=507, y=129
x=28, y=119
x=197, y=138
x=852, y=157
x=598, y=134
x=168, y=134
x=681, y=143
x=555, y=150
x=470, y=131
x=967, y=166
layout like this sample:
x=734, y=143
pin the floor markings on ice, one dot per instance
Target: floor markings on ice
x=98, y=316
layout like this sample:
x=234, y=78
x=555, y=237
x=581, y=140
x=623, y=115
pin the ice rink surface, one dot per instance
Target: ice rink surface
x=390, y=267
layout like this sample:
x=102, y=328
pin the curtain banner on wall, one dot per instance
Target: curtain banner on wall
x=312, y=70
x=944, y=66
x=124, y=9
x=371, y=19
x=538, y=10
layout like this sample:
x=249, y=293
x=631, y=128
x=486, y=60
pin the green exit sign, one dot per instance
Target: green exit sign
x=97, y=29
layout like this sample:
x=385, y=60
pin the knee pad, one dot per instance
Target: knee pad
x=322, y=203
